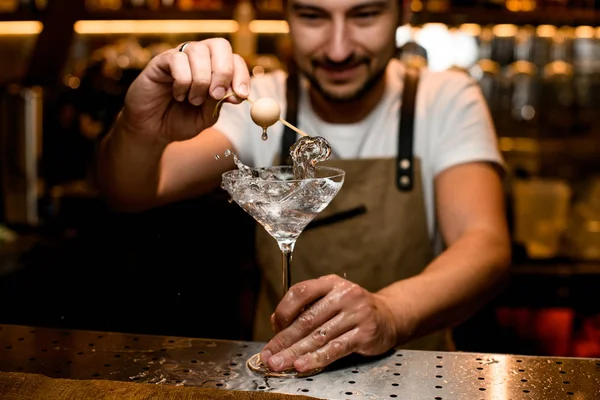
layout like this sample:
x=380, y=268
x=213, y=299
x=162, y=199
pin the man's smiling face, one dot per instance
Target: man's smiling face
x=343, y=46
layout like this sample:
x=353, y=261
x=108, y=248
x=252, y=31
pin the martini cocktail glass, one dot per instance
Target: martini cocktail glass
x=283, y=206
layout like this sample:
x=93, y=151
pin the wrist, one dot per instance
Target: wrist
x=404, y=319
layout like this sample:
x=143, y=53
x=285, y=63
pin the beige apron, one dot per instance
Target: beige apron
x=372, y=233
x=386, y=243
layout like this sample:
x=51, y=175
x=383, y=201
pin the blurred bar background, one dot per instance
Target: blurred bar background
x=188, y=269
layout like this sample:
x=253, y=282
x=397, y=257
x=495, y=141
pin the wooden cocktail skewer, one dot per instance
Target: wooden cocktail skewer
x=265, y=116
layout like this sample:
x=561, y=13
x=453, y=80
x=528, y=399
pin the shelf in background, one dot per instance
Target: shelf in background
x=141, y=14
x=454, y=16
x=482, y=16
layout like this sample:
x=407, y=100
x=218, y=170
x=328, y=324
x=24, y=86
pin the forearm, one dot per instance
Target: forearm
x=455, y=285
x=128, y=169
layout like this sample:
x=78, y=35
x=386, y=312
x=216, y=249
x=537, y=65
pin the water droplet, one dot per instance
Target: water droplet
x=228, y=153
x=217, y=156
x=264, y=134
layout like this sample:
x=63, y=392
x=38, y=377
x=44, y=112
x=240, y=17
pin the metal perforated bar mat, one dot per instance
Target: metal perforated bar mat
x=402, y=374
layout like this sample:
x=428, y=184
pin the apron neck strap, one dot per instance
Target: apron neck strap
x=405, y=157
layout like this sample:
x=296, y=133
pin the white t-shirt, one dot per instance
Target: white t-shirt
x=452, y=126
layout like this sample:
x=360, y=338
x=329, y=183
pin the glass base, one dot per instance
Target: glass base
x=256, y=365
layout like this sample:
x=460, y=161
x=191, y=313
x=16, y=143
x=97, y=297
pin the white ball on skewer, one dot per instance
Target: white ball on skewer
x=265, y=112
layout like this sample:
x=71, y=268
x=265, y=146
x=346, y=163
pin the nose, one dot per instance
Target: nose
x=339, y=42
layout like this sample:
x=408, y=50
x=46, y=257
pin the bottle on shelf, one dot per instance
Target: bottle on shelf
x=487, y=71
x=587, y=76
x=503, y=43
x=520, y=85
x=503, y=53
x=541, y=52
x=557, y=94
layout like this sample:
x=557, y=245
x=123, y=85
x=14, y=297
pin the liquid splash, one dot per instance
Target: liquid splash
x=243, y=169
x=306, y=153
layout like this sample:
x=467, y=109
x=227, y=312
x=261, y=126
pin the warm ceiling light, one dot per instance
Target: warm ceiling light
x=546, y=31
x=175, y=26
x=520, y=5
x=528, y=5
x=269, y=26
x=20, y=27
x=513, y=5
x=585, y=32
x=154, y=26
x=416, y=6
x=505, y=30
x=470, y=29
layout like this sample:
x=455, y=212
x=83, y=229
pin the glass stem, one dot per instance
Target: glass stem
x=287, y=250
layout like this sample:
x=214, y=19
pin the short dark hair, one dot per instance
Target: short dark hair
x=400, y=4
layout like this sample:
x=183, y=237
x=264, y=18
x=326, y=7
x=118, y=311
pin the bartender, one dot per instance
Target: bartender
x=424, y=242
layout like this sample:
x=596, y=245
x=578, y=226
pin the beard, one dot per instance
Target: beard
x=373, y=79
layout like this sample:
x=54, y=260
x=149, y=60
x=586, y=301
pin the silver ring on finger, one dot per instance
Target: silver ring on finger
x=183, y=46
